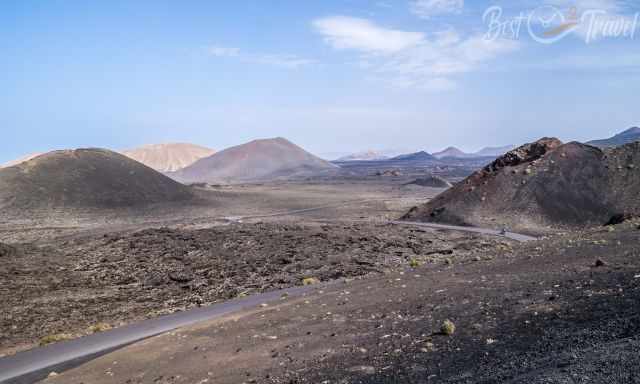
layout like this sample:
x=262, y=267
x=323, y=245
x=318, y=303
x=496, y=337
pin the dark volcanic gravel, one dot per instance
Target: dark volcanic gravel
x=117, y=278
x=540, y=313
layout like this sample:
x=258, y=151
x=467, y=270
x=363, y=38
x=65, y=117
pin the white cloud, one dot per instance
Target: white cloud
x=343, y=32
x=414, y=61
x=425, y=9
x=277, y=60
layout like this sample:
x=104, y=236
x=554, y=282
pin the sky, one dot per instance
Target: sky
x=334, y=76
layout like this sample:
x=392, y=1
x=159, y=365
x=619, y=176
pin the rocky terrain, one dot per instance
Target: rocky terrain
x=259, y=160
x=560, y=310
x=541, y=186
x=66, y=286
x=81, y=179
x=168, y=157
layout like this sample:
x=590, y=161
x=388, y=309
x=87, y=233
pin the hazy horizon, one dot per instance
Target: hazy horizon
x=335, y=77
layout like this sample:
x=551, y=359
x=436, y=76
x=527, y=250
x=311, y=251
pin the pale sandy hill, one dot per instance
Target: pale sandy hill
x=168, y=157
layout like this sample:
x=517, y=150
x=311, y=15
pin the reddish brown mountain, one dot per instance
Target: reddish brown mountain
x=258, y=160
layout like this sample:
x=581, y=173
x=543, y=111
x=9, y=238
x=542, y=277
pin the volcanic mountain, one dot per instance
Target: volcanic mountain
x=626, y=137
x=543, y=184
x=259, y=160
x=85, y=178
x=450, y=152
x=168, y=157
x=418, y=156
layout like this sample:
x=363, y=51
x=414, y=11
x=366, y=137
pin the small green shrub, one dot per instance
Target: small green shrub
x=310, y=281
x=448, y=328
x=50, y=339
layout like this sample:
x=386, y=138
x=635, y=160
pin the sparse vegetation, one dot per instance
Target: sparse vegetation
x=310, y=281
x=50, y=339
x=99, y=327
x=414, y=263
x=448, y=328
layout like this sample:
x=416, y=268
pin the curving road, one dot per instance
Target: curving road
x=34, y=365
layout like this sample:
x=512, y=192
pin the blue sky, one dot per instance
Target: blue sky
x=334, y=76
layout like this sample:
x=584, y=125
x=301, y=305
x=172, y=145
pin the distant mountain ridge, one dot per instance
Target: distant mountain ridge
x=369, y=155
x=494, y=151
x=451, y=152
x=417, y=156
x=629, y=136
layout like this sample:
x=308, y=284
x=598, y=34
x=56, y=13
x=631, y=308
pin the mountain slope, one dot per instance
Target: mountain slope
x=85, y=178
x=543, y=184
x=168, y=157
x=418, y=156
x=494, y=151
x=258, y=160
x=20, y=160
x=629, y=136
x=450, y=152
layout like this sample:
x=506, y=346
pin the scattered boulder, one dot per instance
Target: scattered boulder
x=389, y=173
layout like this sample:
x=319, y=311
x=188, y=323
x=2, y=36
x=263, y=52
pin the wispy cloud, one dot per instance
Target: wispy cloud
x=343, y=32
x=287, y=61
x=426, y=9
x=410, y=59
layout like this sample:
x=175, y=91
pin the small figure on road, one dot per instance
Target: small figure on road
x=503, y=231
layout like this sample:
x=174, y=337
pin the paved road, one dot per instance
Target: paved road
x=34, y=365
x=484, y=231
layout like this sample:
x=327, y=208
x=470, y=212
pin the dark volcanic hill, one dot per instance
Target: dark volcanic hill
x=258, y=160
x=418, y=156
x=85, y=178
x=543, y=184
x=622, y=138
